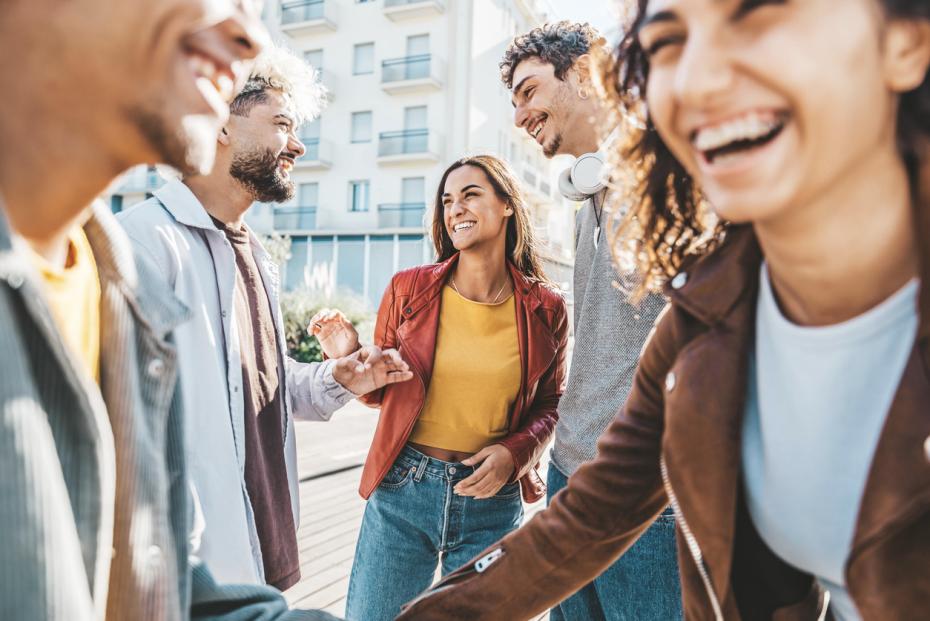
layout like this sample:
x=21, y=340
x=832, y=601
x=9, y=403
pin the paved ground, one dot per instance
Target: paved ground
x=329, y=462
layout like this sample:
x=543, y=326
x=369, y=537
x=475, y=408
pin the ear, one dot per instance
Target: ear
x=223, y=137
x=907, y=53
x=582, y=68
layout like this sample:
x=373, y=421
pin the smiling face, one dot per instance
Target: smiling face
x=770, y=104
x=550, y=110
x=265, y=147
x=162, y=79
x=475, y=217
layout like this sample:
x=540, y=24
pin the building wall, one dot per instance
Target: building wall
x=468, y=111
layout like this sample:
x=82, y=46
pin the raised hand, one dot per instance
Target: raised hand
x=370, y=368
x=336, y=334
x=495, y=470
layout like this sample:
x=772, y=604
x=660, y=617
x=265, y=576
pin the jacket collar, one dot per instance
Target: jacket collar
x=437, y=275
x=711, y=286
x=184, y=206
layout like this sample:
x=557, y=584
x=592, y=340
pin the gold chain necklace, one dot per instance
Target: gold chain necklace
x=496, y=298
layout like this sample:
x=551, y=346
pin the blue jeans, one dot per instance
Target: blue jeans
x=642, y=585
x=413, y=522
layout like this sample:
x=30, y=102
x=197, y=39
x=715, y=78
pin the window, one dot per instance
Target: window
x=412, y=190
x=417, y=45
x=308, y=194
x=358, y=195
x=297, y=264
x=350, y=269
x=363, y=60
x=116, y=203
x=361, y=126
x=380, y=266
x=314, y=58
x=415, y=117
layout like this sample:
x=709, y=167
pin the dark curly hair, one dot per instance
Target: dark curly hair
x=559, y=44
x=666, y=220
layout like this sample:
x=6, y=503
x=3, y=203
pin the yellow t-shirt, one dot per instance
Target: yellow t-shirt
x=476, y=375
x=73, y=295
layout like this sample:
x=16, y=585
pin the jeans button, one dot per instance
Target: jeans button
x=451, y=469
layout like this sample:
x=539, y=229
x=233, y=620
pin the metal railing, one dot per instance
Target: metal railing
x=406, y=68
x=403, y=142
x=294, y=218
x=394, y=215
x=301, y=11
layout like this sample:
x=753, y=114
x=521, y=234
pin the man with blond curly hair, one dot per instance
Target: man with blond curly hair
x=238, y=384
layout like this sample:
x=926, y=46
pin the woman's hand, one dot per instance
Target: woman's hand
x=495, y=470
x=336, y=334
x=369, y=369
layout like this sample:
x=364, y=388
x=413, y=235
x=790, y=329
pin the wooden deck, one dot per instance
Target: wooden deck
x=329, y=462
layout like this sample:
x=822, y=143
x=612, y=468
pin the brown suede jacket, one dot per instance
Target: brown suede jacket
x=677, y=441
x=408, y=320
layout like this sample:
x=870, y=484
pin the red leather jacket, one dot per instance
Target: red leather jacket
x=408, y=320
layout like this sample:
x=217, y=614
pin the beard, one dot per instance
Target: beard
x=259, y=172
x=551, y=148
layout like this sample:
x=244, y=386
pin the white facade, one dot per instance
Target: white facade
x=414, y=85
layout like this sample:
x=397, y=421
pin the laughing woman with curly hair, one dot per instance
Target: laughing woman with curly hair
x=782, y=405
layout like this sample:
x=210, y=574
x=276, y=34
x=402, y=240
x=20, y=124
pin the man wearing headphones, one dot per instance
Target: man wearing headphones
x=548, y=73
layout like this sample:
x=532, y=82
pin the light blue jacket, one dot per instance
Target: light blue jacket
x=197, y=261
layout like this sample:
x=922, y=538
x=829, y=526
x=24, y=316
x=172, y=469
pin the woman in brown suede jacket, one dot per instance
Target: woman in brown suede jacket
x=782, y=405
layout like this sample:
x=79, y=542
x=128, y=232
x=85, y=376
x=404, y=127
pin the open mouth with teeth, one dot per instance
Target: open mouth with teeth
x=738, y=136
x=535, y=128
x=286, y=163
x=458, y=227
x=214, y=79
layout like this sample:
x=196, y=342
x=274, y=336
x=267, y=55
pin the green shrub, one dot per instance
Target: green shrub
x=300, y=305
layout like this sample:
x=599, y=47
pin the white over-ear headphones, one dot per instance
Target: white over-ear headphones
x=585, y=177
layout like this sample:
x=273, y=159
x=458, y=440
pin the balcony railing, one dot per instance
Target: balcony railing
x=406, y=68
x=294, y=218
x=406, y=142
x=401, y=215
x=302, y=11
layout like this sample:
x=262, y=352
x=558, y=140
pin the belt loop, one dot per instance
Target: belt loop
x=421, y=468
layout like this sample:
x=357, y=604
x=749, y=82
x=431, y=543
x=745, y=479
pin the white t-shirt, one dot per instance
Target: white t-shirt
x=816, y=404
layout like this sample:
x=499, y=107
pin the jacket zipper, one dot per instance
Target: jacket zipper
x=693, y=546
x=479, y=566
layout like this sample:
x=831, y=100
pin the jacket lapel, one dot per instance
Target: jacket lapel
x=705, y=393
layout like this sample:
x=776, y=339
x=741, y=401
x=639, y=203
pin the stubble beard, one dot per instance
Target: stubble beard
x=259, y=173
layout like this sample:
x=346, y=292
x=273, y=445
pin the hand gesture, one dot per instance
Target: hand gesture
x=495, y=470
x=369, y=369
x=334, y=331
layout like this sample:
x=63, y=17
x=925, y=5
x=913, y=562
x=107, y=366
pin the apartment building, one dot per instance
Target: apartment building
x=413, y=85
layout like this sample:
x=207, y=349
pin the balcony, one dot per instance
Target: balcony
x=412, y=74
x=305, y=17
x=401, y=215
x=319, y=155
x=409, y=146
x=396, y=10
x=294, y=218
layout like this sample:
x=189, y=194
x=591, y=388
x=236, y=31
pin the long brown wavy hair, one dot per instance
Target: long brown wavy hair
x=521, y=247
x=659, y=215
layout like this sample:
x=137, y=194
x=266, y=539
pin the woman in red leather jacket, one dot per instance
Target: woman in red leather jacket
x=485, y=335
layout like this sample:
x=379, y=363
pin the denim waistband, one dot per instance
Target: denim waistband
x=430, y=466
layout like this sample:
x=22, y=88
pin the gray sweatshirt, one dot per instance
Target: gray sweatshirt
x=609, y=335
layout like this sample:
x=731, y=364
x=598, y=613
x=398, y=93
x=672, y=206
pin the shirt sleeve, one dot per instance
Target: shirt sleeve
x=312, y=391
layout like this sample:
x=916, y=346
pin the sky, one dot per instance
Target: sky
x=599, y=13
